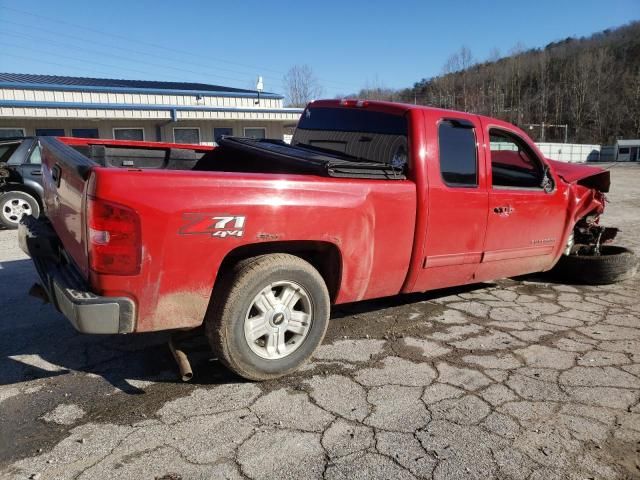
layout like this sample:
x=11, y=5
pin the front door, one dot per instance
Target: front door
x=457, y=201
x=525, y=220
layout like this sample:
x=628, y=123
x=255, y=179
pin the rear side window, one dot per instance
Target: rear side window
x=458, y=153
x=357, y=133
x=36, y=156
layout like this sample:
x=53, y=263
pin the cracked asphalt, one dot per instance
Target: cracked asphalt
x=521, y=378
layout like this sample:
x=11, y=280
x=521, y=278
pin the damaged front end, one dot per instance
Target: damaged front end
x=586, y=189
x=588, y=236
x=587, y=257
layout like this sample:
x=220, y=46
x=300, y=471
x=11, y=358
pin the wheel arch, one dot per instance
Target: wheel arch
x=323, y=256
x=24, y=188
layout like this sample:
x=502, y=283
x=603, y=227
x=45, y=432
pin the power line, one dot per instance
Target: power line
x=163, y=47
x=114, y=35
x=76, y=59
x=63, y=65
x=128, y=50
x=120, y=57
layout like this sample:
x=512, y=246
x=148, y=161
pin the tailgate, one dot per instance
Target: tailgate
x=65, y=173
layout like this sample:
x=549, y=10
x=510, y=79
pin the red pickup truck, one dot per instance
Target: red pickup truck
x=257, y=239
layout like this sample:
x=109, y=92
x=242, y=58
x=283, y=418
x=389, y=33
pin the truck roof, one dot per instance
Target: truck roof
x=379, y=106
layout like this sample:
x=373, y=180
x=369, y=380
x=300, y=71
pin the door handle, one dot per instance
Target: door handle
x=55, y=175
x=36, y=172
x=504, y=211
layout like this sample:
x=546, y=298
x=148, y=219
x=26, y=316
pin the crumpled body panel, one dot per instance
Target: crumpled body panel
x=585, y=175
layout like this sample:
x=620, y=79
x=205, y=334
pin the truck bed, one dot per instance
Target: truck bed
x=237, y=154
x=263, y=209
x=234, y=154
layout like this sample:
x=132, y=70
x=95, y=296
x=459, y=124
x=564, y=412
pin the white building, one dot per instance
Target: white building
x=627, y=150
x=137, y=110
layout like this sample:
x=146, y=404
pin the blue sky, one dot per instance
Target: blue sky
x=349, y=44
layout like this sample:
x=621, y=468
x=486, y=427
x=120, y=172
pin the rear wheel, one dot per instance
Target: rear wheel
x=268, y=315
x=614, y=264
x=14, y=205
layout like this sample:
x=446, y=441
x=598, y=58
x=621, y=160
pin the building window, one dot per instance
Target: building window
x=128, y=134
x=458, y=154
x=255, y=132
x=50, y=132
x=186, y=135
x=222, y=132
x=85, y=132
x=11, y=132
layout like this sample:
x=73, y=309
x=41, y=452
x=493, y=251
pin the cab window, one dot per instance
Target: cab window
x=458, y=153
x=513, y=163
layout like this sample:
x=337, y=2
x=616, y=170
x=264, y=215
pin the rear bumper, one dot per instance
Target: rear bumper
x=67, y=290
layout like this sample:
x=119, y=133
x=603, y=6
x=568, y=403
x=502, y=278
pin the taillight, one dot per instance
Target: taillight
x=348, y=102
x=113, y=238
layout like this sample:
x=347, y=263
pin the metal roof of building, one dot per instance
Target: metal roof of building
x=31, y=80
x=628, y=143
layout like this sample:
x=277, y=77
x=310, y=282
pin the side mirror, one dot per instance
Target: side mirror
x=547, y=180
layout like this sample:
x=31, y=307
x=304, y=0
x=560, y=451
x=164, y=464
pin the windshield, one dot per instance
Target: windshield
x=356, y=133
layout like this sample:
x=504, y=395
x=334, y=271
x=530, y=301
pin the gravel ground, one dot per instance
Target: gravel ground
x=513, y=379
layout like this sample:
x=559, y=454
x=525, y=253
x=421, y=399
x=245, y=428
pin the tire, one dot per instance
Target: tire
x=614, y=264
x=15, y=204
x=279, y=294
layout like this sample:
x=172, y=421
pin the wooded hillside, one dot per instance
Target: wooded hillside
x=591, y=84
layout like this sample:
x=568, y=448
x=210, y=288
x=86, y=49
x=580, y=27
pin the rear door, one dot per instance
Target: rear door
x=31, y=168
x=525, y=220
x=457, y=200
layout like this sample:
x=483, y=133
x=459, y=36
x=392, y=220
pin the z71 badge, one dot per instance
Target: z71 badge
x=221, y=226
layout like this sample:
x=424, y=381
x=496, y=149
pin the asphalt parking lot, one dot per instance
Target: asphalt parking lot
x=521, y=378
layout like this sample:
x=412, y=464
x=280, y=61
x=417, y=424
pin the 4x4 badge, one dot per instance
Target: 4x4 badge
x=221, y=226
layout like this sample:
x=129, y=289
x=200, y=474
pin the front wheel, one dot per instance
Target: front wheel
x=268, y=315
x=614, y=264
x=14, y=205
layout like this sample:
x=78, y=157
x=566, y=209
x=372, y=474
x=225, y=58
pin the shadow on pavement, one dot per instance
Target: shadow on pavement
x=38, y=342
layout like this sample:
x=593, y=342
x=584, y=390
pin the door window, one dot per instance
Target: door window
x=36, y=157
x=513, y=163
x=458, y=153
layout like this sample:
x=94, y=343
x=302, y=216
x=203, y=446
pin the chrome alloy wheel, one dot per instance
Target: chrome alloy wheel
x=278, y=320
x=14, y=208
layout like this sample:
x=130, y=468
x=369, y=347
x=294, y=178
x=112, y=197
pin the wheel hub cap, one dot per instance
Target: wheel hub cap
x=278, y=320
x=14, y=209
